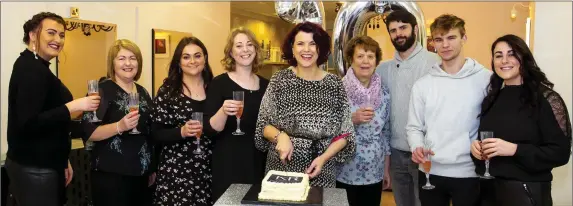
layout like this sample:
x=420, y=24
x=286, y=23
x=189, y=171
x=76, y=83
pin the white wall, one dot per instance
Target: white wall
x=209, y=21
x=552, y=51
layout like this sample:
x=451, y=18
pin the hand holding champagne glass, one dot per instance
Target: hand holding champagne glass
x=365, y=113
x=134, y=106
x=368, y=108
x=239, y=96
x=198, y=116
x=93, y=90
x=427, y=164
x=482, y=136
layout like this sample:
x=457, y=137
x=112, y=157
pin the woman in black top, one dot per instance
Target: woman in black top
x=39, y=109
x=531, y=127
x=120, y=161
x=183, y=178
x=235, y=158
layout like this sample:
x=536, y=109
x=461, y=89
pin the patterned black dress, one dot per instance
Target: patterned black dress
x=123, y=160
x=312, y=113
x=183, y=178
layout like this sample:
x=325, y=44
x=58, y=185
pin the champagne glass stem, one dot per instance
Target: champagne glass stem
x=486, y=168
x=428, y=179
x=238, y=125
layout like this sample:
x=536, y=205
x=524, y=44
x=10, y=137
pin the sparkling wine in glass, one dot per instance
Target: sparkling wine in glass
x=482, y=136
x=198, y=116
x=239, y=96
x=134, y=106
x=93, y=90
x=427, y=165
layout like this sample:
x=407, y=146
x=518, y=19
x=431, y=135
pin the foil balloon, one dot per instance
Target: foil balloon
x=353, y=17
x=300, y=11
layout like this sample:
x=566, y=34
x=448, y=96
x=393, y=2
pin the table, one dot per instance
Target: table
x=236, y=192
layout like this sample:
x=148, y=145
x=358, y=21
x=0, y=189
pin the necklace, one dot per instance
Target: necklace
x=253, y=83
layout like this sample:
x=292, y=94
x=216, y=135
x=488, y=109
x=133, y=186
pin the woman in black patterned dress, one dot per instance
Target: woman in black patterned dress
x=183, y=178
x=121, y=162
x=305, y=120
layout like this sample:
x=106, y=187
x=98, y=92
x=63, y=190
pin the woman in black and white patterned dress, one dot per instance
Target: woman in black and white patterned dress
x=183, y=178
x=304, y=115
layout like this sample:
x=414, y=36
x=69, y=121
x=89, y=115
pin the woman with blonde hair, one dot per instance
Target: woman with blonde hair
x=121, y=158
x=235, y=158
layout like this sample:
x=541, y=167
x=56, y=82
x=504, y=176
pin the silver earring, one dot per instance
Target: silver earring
x=34, y=50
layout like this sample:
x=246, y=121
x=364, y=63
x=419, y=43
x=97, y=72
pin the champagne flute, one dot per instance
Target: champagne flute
x=368, y=103
x=239, y=96
x=198, y=116
x=134, y=106
x=482, y=136
x=93, y=90
x=428, y=164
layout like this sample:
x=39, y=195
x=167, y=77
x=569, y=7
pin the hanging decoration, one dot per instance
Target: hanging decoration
x=87, y=28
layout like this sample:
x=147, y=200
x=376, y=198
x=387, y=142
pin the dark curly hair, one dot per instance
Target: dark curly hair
x=367, y=43
x=533, y=78
x=174, y=81
x=320, y=37
x=400, y=15
x=35, y=23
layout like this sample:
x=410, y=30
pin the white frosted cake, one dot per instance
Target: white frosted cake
x=284, y=186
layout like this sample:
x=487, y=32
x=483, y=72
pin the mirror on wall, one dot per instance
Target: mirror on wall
x=163, y=44
x=84, y=56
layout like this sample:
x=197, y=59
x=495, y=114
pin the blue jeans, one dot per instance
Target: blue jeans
x=404, y=176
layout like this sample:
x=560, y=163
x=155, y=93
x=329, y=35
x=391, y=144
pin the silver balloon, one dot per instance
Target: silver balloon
x=296, y=11
x=352, y=20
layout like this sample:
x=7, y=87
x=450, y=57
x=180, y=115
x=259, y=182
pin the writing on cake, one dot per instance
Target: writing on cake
x=284, y=186
x=284, y=179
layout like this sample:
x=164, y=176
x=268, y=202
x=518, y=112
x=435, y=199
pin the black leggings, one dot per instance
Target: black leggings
x=500, y=192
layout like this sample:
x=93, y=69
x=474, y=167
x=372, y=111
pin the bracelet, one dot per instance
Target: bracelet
x=117, y=127
x=276, y=136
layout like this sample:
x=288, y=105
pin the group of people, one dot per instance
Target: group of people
x=365, y=132
x=440, y=106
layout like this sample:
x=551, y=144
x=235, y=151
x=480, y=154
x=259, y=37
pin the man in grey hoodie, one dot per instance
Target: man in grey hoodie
x=444, y=109
x=411, y=61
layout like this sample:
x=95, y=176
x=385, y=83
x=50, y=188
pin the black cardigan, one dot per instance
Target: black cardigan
x=38, y=119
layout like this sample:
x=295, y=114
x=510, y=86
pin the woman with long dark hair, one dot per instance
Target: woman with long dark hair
x=39, y=117
x=183, y=177
x=530, y=125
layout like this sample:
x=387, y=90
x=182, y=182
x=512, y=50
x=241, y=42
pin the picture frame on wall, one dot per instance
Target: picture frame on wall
x=161, y=46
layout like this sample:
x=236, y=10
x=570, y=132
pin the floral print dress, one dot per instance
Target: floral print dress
x=183, y=178
x=372, y=138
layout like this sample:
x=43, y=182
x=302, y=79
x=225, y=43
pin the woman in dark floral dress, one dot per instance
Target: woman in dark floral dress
x=183, y=178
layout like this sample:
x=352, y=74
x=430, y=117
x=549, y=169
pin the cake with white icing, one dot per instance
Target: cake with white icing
x=284, y=186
